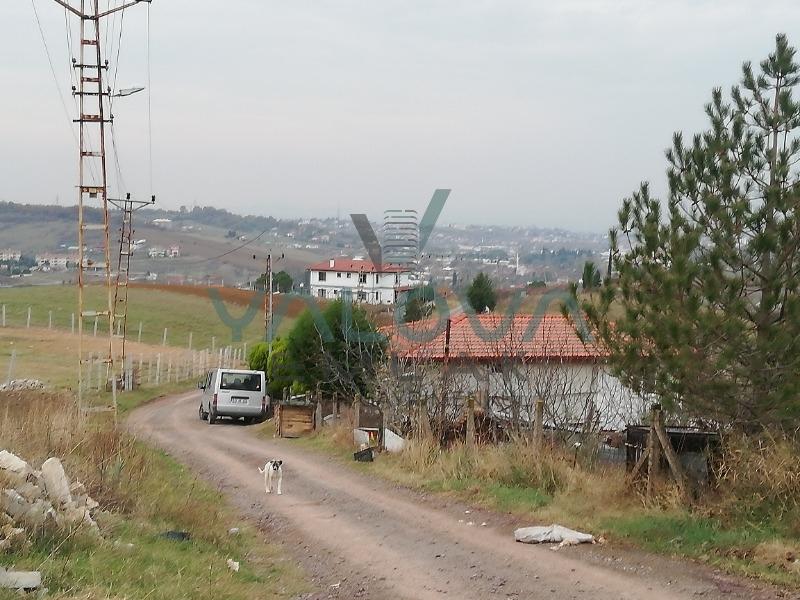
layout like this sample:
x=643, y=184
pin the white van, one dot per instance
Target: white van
x=233, y=393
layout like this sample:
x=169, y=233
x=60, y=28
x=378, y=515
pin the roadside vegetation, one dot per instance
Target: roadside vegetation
x=143, y=494
x=748, y=523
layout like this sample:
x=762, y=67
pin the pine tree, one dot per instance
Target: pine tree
x=481, y=294
x=591, y=276
x=705, y=313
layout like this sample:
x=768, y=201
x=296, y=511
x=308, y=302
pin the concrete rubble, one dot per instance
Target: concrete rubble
x=20, y=385
x=40, y=500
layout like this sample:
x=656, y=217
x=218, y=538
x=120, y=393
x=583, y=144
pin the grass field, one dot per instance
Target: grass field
x=156, y=308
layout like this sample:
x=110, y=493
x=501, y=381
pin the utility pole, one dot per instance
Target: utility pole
x=268, y=303
x=127, y=208
x=268, y=286
x=92, y=95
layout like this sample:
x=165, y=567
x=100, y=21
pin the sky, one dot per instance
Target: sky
x=534, y=113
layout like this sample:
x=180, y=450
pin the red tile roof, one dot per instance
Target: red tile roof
x=489, y=337
x=356, y=266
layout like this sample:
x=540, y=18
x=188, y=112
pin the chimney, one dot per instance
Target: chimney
x=331, y=263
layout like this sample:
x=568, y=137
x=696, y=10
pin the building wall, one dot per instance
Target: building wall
x=374, y=288
x=571, y=391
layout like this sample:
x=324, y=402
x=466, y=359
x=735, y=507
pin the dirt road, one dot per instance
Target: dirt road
x=362, y=538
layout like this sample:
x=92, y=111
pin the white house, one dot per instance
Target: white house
x=10, y=255
x=515, y=360
x=361, y=278
x=58, y=262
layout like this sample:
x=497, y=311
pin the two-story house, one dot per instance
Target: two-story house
x=361, y=278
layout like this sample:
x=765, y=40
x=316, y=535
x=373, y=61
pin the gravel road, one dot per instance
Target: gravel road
x=358, y=537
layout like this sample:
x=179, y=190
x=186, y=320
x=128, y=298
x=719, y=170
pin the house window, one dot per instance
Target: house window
x=338, y=275
x=377, y=296
x=348, y=275
x=362, y=278
x=322, y=275
x=377, y=278
x=335, y=292
x=362, y=296
x=397, y=278
x=321, y=293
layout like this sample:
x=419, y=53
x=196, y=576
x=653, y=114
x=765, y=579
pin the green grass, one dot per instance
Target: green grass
x=180, y=314
x=159, y=568
x=148, y=495
x=734, y=547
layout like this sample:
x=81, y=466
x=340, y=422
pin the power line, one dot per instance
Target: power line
x=53, y=72
x=224, y=254
x=149, y=107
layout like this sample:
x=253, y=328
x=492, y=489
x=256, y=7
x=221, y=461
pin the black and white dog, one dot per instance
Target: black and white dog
x=273, y=470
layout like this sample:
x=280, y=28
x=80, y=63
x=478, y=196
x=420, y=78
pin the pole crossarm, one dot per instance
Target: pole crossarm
x=96, y=17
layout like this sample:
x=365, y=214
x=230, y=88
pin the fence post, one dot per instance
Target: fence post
x=95, y=327
x=49, y=319
x=28, y=326
x=149, y=369
x=669, y=452
x=4, y=315
x=357, y=411
x=11, y=365
x=72, y=324
x=158, y=369
x=169, y=369
x=471, y=421
x=213, y=344
x=139, y=338
x=538, y=424
x=164, y=339
x=653, y=450
x=190, y=339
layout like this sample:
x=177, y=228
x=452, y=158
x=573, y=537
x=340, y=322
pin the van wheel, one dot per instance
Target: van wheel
x=212, y=417
x=203, y=414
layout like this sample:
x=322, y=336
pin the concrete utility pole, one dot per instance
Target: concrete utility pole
x=92, y=94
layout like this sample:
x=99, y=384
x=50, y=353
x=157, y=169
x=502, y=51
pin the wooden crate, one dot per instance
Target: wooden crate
x=294, y=421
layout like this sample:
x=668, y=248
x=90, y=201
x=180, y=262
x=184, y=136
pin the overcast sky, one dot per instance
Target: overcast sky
x=533, y=113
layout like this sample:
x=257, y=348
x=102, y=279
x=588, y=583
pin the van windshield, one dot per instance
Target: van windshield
x=246, y=382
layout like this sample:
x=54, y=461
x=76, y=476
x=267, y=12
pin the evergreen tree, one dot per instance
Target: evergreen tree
x=591, y=276
x=341, y=354
x=481, y=294
x=705, y=313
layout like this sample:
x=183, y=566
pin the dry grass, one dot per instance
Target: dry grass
x=142, y=493
x=759, y=479
x=750, y=529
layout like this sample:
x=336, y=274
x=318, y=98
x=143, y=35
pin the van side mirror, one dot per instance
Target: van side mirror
x=201, y=385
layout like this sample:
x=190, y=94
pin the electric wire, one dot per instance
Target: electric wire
x=149, y=107
x=224, y=254
x=53, y=71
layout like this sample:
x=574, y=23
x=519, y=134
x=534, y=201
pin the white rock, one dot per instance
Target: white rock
x=29, y=491
x=11, y=538
x=12, y=462
x=20, y=580
x=233, y=565
x=13, y=504
x=55, y=482
x=41, y=514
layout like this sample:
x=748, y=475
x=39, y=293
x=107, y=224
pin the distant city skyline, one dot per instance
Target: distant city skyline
x=533, y=114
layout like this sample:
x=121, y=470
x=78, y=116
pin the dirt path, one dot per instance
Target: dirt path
x=363, y=538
